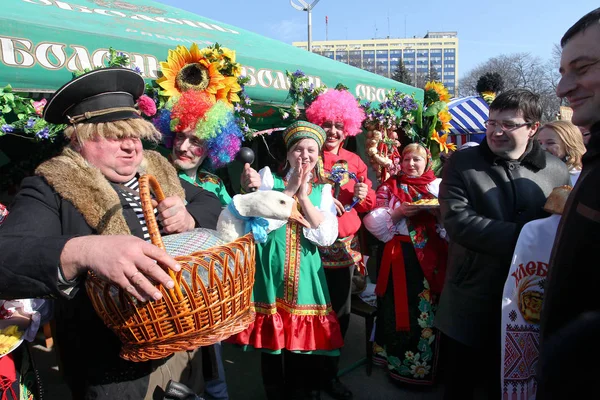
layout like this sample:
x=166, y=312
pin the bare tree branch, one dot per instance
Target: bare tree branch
x=521, y=70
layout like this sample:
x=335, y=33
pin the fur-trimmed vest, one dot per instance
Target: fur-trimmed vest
x=82, y=184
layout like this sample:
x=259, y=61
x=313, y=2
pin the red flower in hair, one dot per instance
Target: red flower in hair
x=146, y=105
x=39, y=106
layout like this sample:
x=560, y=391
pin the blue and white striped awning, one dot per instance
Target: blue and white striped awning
x=468, y=115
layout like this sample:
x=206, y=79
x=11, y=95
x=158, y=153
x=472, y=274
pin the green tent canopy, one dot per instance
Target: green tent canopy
x=43, y=41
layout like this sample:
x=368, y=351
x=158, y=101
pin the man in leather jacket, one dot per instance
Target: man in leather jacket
x=569, y=324
x=487, y=194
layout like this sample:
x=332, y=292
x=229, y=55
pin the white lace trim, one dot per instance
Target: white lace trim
x=379, y=223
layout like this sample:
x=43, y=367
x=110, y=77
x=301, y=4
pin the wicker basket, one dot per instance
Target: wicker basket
x=210, y=301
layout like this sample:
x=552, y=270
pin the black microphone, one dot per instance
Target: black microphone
x=246, y=155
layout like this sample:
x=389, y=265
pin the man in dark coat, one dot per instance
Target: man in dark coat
x=570, y=320
x=82, y=213
x=487, y=194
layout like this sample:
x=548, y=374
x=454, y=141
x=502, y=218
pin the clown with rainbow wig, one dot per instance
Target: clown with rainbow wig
x=340, y=116
x=198, y=119
x=201, y=87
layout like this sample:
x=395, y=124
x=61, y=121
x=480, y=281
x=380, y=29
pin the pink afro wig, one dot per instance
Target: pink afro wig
x=337, y=106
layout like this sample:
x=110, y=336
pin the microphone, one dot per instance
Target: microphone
x=246, y=156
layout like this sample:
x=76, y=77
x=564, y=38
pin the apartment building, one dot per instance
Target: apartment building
x=437, y=50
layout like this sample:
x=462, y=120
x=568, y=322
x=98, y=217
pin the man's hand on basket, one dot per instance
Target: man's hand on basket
x=173, y=215
x=126, y=261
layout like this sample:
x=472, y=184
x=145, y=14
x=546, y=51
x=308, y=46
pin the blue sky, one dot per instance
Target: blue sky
x=485, y=29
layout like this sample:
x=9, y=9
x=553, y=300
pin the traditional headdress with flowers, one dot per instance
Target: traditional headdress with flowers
x=385, y=124
x=201, y=90
x=401, y=118
x=338, y=105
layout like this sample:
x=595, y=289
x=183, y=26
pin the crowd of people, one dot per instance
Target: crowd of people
x=442, y=269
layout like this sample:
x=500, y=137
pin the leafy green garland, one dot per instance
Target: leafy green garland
x=301, y=91
x=22, y=116
x=402, y=115
x=115, y=59
x=242, y=110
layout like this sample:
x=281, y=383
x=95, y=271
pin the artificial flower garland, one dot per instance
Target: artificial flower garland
x=383, y=124
x=22, y=116
x=301, y=91
x=400, y=115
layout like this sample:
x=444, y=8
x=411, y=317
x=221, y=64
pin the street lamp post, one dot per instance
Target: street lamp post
x=304, y=6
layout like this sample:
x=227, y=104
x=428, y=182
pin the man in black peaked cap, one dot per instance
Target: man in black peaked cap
x=80, y=213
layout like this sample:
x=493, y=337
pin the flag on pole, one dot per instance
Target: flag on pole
x=326, y=19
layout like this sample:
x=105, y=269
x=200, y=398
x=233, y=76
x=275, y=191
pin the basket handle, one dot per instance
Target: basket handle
x=147, y=182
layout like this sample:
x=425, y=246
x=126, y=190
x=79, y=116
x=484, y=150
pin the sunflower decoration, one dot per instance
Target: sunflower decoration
x=434, y=92
x=225, y=57
x=187, y=70
x=444, y=118
x=201, y=90
x=433, y=123
x=229, y=68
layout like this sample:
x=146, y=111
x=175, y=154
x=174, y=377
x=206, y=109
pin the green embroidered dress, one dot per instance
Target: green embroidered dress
x=291, y=299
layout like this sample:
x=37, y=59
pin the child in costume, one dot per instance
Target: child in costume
x=340, y=116
x=294, y=318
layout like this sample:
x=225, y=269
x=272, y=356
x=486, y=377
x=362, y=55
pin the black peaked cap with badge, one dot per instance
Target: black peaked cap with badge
x=101, y=95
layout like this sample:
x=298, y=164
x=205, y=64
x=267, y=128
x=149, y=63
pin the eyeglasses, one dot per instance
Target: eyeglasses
x=505, y=126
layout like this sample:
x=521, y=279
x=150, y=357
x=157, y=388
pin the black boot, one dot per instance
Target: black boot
x=274, y=392
x=305, y=394
x=337, y=390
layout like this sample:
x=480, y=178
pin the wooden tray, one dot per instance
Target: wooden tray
x=425, y=206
